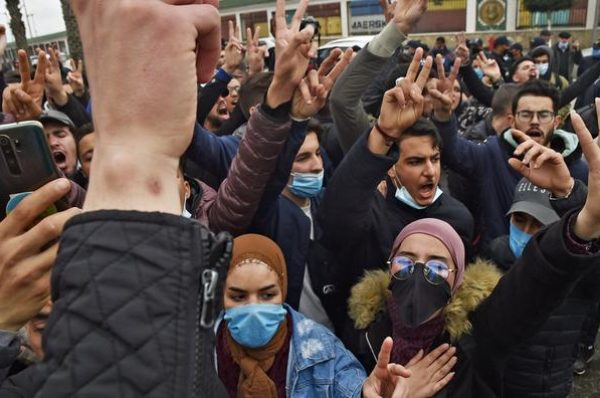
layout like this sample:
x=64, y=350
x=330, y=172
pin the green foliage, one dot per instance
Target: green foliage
x=546, y=5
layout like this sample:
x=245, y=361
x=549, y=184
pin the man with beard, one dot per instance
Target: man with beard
x=217, y=115
x=535, y=109
x=59, y=133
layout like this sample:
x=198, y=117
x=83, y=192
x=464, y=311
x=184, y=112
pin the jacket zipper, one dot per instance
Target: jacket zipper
x=204, y=306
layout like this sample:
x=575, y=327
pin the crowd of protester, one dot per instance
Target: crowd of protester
x=391, y=221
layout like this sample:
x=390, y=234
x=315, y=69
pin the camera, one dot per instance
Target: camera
x=9, y=155
x=311, y=21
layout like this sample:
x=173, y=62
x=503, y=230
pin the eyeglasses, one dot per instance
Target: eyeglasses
x=435, y=271
x=542, y=116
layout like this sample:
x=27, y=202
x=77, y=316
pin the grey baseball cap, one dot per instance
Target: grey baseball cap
x=52, y=115
x=530, y=199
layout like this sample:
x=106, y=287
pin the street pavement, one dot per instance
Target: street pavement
x=588, y=385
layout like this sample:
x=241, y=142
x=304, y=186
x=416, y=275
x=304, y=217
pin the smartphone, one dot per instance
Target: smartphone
x=26, y=163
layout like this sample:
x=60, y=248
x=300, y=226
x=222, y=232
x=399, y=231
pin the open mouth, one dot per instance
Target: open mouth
x=427, y=190
x=222, y=111
x=60, y=159
x=535, y=134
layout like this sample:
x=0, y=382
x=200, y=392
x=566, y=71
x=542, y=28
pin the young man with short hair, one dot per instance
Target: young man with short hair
x=535, y=109
x=59, y=132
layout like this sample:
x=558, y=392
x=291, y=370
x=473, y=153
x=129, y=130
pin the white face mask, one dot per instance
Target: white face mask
x=185, y=213
x=404, y=196
x=542, y=68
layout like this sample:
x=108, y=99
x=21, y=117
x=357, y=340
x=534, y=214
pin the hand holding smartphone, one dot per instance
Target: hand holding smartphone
x=26, y=163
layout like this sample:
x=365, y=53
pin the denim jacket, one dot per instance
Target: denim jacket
x=318, y=363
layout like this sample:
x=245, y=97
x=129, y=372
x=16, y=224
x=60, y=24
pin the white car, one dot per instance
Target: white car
x=342, y=44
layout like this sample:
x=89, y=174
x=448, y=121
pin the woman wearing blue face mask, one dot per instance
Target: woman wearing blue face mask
x=266, y=349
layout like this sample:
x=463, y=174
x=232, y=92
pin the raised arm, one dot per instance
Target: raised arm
x=345, y=105
x=459, y=154
x=584, y=81
x=554, y=259
x=289, y=93
x=480, y=91
x=352, y=189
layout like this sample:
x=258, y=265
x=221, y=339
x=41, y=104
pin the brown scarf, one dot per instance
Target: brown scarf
x=254, y=364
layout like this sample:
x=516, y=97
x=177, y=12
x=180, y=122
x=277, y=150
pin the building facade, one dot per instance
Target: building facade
x=339, y=18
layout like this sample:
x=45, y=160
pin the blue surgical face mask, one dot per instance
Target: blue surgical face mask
x=479, y=73
x=542, y=68
x=563, y=45
x=254, y=325
x=403, y=196
x=306, y=185
x=517, y=240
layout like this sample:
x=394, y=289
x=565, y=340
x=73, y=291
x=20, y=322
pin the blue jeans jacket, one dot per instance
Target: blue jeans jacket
x=318, y=364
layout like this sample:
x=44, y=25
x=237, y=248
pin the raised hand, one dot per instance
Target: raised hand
x=431, y=373
x=75, y=77
x=20, y=104
x=311, y=95
x=145, y=117
x=587, y=225
x=234, y=51
x=54, y=85
x=35, y=87
x=26, y=259
x=407, y=13
x=387, y=380
x=462, y=51
x=403, y=104
x=541, y=165
x=489, y=67
x=388, y=9
x=442, y=93
x=293, y=51
x=255, y=54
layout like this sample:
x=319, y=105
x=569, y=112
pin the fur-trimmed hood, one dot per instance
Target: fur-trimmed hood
x=368, y=297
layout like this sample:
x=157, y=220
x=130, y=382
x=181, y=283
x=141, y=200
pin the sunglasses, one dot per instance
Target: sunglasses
x=434, y=271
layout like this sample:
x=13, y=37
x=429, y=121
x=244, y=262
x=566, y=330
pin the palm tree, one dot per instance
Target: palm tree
x=16, y=23
x=75, y=48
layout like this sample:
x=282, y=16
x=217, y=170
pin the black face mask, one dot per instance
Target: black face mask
x=417, y=299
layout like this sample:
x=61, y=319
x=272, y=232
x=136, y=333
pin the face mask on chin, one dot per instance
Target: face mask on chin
x=185, y=213
x=417, y=299
x=404, y=196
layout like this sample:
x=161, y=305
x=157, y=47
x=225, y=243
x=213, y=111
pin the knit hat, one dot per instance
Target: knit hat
x=258, y=247
x=442, y=231
x=564, y=35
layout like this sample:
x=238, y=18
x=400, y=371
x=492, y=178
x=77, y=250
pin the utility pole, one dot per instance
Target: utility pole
x=35, y=32
x=27, y=19
x=595, y=27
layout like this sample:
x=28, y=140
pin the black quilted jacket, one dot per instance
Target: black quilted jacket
x=125, y=323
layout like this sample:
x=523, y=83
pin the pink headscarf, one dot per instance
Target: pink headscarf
x=442, y=231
